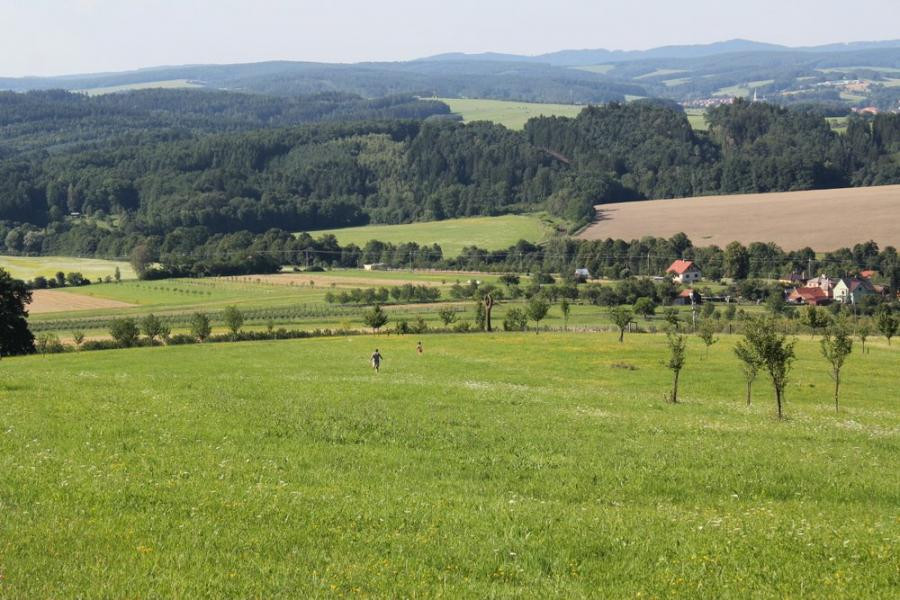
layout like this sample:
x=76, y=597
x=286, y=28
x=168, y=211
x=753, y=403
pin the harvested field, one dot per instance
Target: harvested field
x=821, y=219
x=49, y=301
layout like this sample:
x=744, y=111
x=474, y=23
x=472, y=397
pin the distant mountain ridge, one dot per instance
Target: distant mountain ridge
x=577, y=58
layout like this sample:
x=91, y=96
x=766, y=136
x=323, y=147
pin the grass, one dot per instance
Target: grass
x=510, y=114
x=29, y=267
x=743, y=90
x=660, y=72
x=508, y=465
x=601, y=69
x=166, y=84
x=492, y=233
x=697, y=118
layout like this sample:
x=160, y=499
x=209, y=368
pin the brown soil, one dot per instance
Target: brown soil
x=823, y=220
x=49, y=301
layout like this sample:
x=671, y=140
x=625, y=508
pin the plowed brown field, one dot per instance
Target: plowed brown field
x=48, y=301
x=821, y=219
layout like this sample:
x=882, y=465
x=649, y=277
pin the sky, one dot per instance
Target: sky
x=55, y=37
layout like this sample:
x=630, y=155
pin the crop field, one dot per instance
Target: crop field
x=821, y=219
x=54, y=301
x=505, y=465
x=510, y=114
x=492, y=233
x=29, y=267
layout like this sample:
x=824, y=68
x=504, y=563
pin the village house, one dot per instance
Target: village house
x=813, y=296
x=684, y=271
x=688, y=297
x=823, y=282
x=851, y=291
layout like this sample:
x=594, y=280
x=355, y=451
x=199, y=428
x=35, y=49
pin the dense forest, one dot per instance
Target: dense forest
x=221, y=164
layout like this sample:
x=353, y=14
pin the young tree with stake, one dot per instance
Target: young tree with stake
x=707, y=333
x=677, y=343
x=837, y=344
x=565, y=308
x=750, y=363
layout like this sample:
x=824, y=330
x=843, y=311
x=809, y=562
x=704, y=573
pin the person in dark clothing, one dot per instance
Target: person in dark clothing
x=376, y=360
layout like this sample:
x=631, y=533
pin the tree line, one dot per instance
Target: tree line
x=142, y=186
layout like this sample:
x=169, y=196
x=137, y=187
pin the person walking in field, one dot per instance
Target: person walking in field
x=419, y=348
x=376, y=360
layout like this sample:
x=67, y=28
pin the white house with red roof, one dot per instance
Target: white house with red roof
x=684, y=271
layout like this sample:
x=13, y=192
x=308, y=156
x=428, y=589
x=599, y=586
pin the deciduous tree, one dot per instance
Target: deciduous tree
x=837, y=344
x=677, y=344
x=621, y=317
x=15, y=337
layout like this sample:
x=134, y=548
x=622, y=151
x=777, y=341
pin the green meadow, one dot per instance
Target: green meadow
x=168, y=84
x=29, y=267
x=511, y=114
x=491, y=233
x=492, y=465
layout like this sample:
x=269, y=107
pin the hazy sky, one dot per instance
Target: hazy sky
x=49, y=37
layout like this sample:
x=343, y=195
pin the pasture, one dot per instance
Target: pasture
x=29, y=267
x=168, y=84
x=505, y=465
x=821, y=219
x=510, y=114
x=491, y=233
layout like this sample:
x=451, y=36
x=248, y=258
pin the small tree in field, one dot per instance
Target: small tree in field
x=644, y=307
x=814, y=318
x=887, y=324
x=621, y=318
x=837, y=344
x=125, y=332
x=78, y=337
x=670, y=314
x=447, y=316
x=862, y=332
x=200, y=327
x=677, y=344
x=117, y=275
x=153, y=328
x=750, y=363
x=775, y=352
x=707, y=333
x=565, y=308
x=234, y=319
x=537, y=310
x=375, y=318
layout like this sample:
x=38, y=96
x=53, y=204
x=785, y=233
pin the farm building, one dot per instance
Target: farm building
x=814, y=296
x=825, y=283
x=685, y=271
x=851, y=291
x=688, y=297
x=582, y=274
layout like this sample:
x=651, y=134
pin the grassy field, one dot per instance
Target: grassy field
x=167, y=84
x=513, y=115
x=492, y=233
x=842, y=217
x=697, y=118
x=743, y=90
x=508, y=465
x=29, y=267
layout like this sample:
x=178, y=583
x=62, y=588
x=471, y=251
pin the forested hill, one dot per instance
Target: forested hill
x=55, y=119
x=139, y=189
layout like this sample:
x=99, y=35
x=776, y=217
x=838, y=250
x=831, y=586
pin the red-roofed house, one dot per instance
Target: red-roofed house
x=685, y=271
x=868, y=274
x=814, y=296
x=687, y=297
